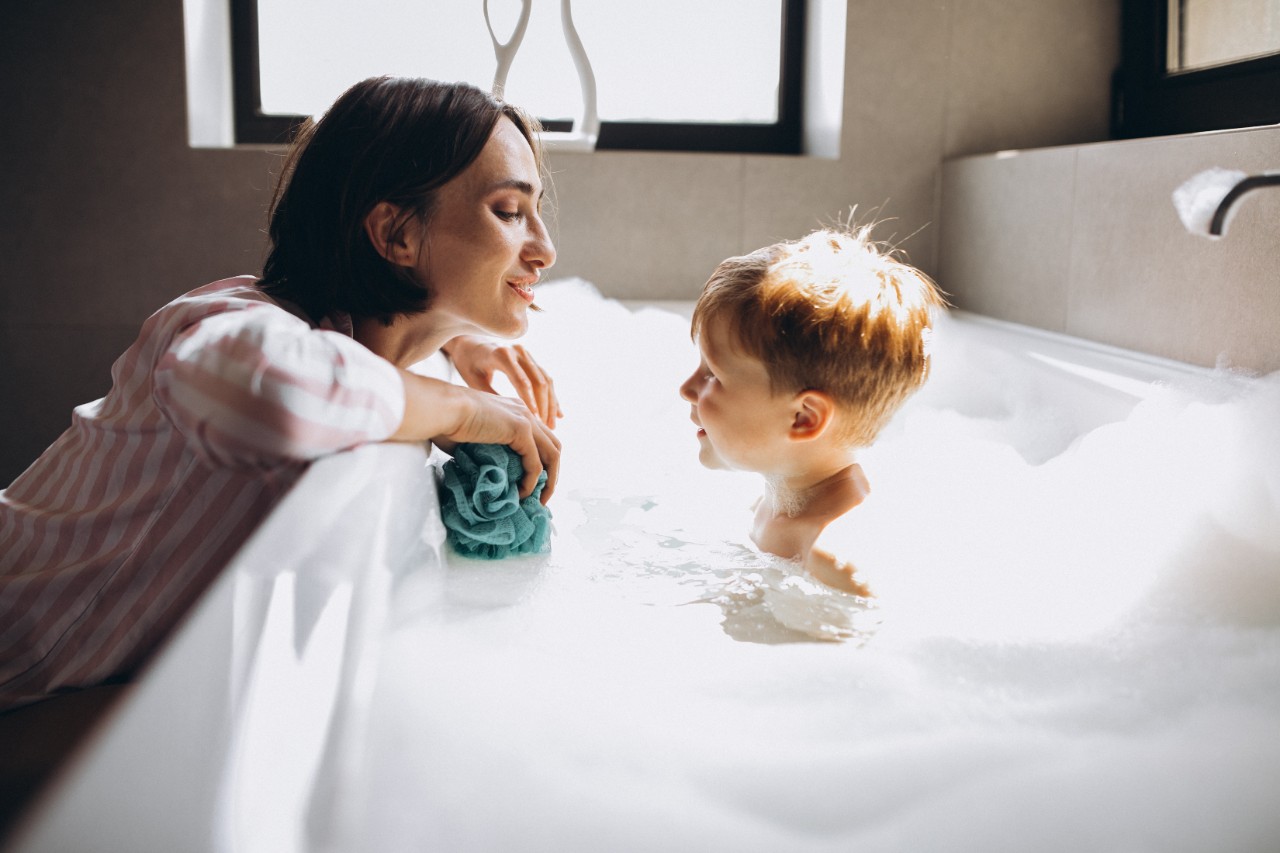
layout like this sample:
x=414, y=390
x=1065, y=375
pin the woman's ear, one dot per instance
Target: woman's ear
x=811, y=415
x=397, y=245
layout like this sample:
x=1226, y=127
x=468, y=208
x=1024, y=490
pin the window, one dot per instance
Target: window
x=1193, y=65
x=716, y=75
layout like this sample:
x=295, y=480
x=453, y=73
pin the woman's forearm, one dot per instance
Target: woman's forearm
x=432, y=408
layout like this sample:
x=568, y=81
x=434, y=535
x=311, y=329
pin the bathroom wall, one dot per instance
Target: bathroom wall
x=923, y=81
x=1085, y=240
x=107, y=212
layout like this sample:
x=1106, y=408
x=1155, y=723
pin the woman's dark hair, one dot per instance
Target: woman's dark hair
x=385, y=139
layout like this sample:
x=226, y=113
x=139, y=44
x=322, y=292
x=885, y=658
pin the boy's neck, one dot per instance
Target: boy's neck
x=827, y=491
x=796, y=509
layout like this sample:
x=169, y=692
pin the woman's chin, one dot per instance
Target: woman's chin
x=509, y=328
x=518, y=326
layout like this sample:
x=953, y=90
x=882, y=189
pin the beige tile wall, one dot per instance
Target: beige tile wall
x=1086, y=240
x=1027, y=74
x=924, y=80
x=1007, y=252
x=106, y=212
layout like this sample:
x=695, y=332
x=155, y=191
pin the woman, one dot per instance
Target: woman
x=406, y=221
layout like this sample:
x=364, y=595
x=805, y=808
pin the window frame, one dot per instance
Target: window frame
x=785, y=136
x=1149, y=100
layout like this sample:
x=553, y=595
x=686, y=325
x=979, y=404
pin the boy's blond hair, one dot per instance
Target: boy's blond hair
x=832, y=312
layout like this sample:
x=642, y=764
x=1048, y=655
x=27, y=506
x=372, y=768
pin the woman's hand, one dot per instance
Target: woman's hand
x=478, y=360
x=450, y=414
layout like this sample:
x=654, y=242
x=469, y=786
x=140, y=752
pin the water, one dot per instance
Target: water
x=666, y=552
x=1076, y=643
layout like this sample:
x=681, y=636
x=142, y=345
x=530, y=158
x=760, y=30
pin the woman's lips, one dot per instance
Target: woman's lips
x=524, y=290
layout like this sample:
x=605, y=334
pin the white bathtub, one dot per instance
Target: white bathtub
x=344, y=687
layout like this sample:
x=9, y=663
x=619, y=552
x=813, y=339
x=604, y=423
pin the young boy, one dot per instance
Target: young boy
x=808, y=349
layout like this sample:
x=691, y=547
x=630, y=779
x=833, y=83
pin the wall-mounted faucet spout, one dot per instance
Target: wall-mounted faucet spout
x=1205, y=201
x=1218, y=226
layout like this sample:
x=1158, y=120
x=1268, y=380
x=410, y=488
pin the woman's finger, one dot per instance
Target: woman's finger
x=508, y=363
x=539, y=451
x=551, y=461
x=531, y=460
x=477, y=363
x=543, y=387
x=541, y=383
x=543, y=402
x=553, y=404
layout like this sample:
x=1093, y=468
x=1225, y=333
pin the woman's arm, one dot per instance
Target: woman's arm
x=441, y=411
x=251, y=386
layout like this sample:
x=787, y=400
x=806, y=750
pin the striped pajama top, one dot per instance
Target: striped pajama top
x=115, y=531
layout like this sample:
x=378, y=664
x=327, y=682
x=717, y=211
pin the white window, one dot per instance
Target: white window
x=1208, y=33
x=687, y=74
x=1196, y=65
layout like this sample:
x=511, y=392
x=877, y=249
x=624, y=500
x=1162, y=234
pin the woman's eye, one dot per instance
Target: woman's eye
x=508, y=215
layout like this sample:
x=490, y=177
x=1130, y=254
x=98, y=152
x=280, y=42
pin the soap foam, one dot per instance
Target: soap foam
x=1199, y=196
x=1077, y=645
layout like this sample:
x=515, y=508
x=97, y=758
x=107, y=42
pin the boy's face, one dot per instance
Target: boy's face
x=742, y=423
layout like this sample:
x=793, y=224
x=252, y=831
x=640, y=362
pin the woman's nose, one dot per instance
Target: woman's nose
x=539, y=251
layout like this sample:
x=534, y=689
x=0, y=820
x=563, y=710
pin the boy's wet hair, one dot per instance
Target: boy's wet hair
x=832, y=312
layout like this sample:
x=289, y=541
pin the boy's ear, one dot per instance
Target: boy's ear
x=811, y=415
x=379, y=225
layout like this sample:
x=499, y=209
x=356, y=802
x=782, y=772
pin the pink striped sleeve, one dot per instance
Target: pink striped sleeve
x=255, y=386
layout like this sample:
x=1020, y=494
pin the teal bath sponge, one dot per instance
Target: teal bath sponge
x=480, y=503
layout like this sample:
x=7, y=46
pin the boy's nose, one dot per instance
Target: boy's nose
x=686, y=389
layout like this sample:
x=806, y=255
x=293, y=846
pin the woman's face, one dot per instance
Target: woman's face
x=485, y=244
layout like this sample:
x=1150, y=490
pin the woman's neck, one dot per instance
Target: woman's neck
x=402, y=342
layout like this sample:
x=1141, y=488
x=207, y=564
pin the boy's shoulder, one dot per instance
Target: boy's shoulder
x=833, y=557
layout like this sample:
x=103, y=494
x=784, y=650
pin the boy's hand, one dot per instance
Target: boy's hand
x=478, y=360
x=836, y=573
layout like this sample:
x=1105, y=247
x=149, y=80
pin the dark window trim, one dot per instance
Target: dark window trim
x=1148, y=100
x=253, y=126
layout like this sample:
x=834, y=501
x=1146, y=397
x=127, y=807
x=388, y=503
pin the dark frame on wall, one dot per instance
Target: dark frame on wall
x=785, y=136
x=1150, y=100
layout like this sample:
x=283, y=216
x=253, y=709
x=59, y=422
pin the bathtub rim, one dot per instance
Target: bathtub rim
x=1020, y=337
x=1093, y=350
